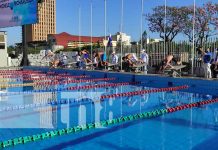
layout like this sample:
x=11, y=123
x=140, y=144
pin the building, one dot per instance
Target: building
x=116, y=39
x=46, y=22
x=72, y=41
x=150, y=41
x=3, y=48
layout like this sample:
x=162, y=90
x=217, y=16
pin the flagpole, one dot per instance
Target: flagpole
x=193, y=40
x=121, y=30
x=142, y=10
x=79, y=27
x=91, y=31
x=165, y=22
x=105, y=25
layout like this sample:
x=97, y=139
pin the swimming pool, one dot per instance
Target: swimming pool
x=32, y=108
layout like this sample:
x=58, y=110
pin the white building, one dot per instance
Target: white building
x=116, y=39
x=149, y=41
x=3, y=48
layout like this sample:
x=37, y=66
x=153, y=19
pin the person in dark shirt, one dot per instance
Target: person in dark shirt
x=207, y=57
x=214, y=64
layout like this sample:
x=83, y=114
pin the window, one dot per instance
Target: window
x=2, y=46
x=2, y=38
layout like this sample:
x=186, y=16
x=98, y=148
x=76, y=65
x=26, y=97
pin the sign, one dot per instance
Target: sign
x=17, y=12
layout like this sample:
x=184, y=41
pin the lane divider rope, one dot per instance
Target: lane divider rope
x=116, y=121
x=145, y=92
x=59, y=102
x=56, y=82
x=71, y=88
x=42, y=78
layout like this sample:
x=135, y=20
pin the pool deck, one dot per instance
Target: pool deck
x=197, y=84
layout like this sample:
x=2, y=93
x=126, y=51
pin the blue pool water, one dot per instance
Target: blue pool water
x=195, y=128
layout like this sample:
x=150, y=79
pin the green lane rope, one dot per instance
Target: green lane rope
x=80, y=128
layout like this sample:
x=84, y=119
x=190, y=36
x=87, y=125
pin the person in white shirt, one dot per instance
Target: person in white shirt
x=64, y=59
x=114, y=59
x=78, y=61
x=144, y=59
x=95, y=60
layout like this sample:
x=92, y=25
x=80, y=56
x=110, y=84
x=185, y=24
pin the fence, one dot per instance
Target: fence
x=181, y=49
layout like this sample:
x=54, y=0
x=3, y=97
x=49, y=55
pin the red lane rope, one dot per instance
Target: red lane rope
x=145, y=92
x=196, y=104
x=102, y=85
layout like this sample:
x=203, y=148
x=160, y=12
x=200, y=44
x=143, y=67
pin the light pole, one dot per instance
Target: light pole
x=105, y=26
x=165, y=22
x=91, y=31
x=121, y=40
x=142, y=11
x=193, y=40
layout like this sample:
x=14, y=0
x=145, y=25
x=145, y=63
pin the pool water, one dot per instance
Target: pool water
x=195, y=128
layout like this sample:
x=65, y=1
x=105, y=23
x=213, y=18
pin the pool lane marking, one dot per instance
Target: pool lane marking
x=119, y=120
x=53, y=103
x=44, y=78
x=145, y=92
x=72, y=88
x=56, y=82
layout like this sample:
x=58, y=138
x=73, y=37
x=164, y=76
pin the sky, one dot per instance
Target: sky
x=68, y=17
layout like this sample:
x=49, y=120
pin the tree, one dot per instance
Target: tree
x=206, y=23
x=168, y=29
x=11, y=49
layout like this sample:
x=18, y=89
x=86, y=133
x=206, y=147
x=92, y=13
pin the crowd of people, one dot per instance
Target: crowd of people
x=129, y=62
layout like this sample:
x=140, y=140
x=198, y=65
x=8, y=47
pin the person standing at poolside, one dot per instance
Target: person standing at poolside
x=114, y=59
x=207, y=57
x=64, y=59
x=144, y=59
x=79, y=61
x=214, y=64
x=95, y=60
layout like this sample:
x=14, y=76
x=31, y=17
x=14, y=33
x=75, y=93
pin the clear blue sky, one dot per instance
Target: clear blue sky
x=68, y=20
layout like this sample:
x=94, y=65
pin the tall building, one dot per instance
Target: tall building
x=46, y=22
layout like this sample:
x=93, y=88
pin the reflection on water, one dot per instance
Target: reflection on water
x=71, y=108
